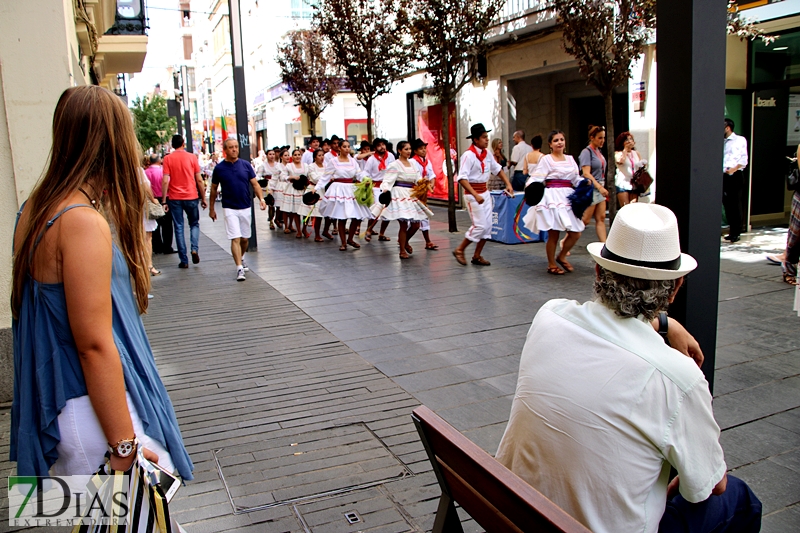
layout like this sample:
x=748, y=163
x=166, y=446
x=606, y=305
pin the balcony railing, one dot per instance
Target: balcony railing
x=519, y=8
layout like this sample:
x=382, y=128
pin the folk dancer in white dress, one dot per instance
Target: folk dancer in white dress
x=375, y=167
x=293, y=198
x=477, y=164
x=399, y=178
x=265, y=172
x=339, y=202
x=553, y=213
x=425, y=168
x=331, y=153
x=315, y=172
x=278, y=186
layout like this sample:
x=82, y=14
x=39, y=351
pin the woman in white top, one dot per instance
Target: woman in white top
x=553, y=213
x=626, y=158
x=339, y=202
x=315, y=172
x=531, y=159
x=149, y=225
x=399, y=178
x=269, y=168
x=293, y=198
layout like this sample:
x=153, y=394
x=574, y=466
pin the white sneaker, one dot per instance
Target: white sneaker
x=240, y=274
x=244, y=266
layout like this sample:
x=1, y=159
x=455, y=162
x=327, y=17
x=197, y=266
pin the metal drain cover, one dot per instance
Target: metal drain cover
x=305, y=466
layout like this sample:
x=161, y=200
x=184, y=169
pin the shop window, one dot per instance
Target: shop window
x=777, y=61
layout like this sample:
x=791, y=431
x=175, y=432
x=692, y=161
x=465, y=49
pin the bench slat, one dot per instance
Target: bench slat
x=485, y=488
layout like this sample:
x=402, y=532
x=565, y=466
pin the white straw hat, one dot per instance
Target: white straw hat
x=643, y=243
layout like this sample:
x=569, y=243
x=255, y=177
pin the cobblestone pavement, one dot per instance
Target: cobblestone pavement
x=301, y=379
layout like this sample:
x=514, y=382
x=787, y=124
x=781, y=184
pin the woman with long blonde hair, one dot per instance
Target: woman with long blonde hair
x=85, y=379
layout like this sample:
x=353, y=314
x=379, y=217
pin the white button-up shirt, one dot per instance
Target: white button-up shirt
x=470, y=168
x=735, y=152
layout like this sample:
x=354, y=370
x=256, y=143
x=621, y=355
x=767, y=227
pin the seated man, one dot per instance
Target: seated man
x=604, y=407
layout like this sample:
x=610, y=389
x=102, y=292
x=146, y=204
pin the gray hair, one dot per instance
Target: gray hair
x=630, y=297
x=521, y=134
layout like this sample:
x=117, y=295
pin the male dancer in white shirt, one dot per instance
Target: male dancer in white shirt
x=375, y=167
x=425, y=169
x=477, y=164
x=308, y=155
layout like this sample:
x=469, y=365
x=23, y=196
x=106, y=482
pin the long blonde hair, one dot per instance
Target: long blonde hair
x=93, y=139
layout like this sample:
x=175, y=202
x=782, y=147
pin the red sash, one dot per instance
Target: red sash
x=423, y=163
x=480, y=155
x=479, y=188
x=381, y=162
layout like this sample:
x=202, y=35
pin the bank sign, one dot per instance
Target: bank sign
x=53, y=501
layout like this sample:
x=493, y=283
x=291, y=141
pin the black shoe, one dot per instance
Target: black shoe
x=732, y=239
x=183, y=265
x=170, y=251
x=195, y=257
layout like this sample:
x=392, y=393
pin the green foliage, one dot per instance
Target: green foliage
x=150, y=116
x=369, y=44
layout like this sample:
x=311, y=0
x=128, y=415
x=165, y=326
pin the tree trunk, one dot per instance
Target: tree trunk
x=312, y=124
x=369, y=120
x=611, y=165
x=451, y=188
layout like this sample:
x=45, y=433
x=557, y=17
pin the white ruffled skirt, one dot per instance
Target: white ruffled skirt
x=339, y=203
x=554, y=212
x=402, y=206
x=275, y=187
x=292, y=199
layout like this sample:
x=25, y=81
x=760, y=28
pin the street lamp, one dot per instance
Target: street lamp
x=130, y=18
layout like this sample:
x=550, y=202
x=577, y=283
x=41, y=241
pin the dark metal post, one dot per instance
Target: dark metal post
x=242, y=134
x=186, y=116
x=690, y=109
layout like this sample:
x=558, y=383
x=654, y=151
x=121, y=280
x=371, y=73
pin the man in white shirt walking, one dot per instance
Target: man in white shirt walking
x=604, y=406
x=521, y=149
x=734, y=162
x=308, y=155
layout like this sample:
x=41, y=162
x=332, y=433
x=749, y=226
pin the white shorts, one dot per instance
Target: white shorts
x=237, y=223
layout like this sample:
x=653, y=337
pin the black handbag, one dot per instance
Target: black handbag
x=793, y=179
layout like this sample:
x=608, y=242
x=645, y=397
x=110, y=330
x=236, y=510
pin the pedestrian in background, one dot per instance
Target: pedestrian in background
x=182, y=190
x=593, y=168
x=532, y=158
x=521, y=149
x=162, y=236
x=495, y=182
x=734, y=161
x=78, y=291
x=626, y=158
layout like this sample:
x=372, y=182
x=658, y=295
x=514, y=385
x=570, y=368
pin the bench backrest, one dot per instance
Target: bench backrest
x=493, y=495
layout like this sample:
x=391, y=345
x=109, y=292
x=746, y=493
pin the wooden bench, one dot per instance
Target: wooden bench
x=493, y=495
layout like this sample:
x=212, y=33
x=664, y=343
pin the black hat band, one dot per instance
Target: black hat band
x=673, y=264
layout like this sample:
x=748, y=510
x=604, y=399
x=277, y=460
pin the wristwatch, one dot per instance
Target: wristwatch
x=124, y=448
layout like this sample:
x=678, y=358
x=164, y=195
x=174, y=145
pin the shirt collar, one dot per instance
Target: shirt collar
x=731, y=137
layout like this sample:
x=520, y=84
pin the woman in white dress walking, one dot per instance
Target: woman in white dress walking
x=315, y=172
x=553, y=213
x=292, y=197
x=338, y=201
x=400, y=178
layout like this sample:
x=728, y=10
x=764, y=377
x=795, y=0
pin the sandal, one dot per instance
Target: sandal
x=566, y=265
x=368, y=237
x=383, y=238
x=788, y=278
x=343, y=248
x=354, y=244
x=459, y=255
x=409, y=249
x=271, y=225
x=318, y=239
x=154, y=271
x=404, y=255
x=431, y=246
x=298, y=236
x=327, y=236
x=287, y=231
x=555, y=271
x=480, y=261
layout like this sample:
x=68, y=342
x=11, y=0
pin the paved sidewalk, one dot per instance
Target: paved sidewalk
x=300, y=380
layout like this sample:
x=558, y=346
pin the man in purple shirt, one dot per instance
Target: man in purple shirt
x=162, y=236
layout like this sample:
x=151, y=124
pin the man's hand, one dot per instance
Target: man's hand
x=509, y=191
x=212, y=214
x=478, y=198
x=263, y=204
x=203, y=203
x=682, y=340
x=672, y=488
x=166, y=207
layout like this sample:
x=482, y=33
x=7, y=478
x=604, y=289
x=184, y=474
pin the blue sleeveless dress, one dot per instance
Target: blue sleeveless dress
x=47, y=371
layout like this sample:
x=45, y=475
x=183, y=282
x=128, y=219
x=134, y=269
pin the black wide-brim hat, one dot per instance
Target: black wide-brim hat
x=269, y=200
x=534, y=193
x=476, y=130
x=300, y=183
x=417, y=143
x=385, y=198
x=310, y=198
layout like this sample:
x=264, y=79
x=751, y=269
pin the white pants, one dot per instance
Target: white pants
x=237, y=223
x=481, y=215
x=83, y=444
